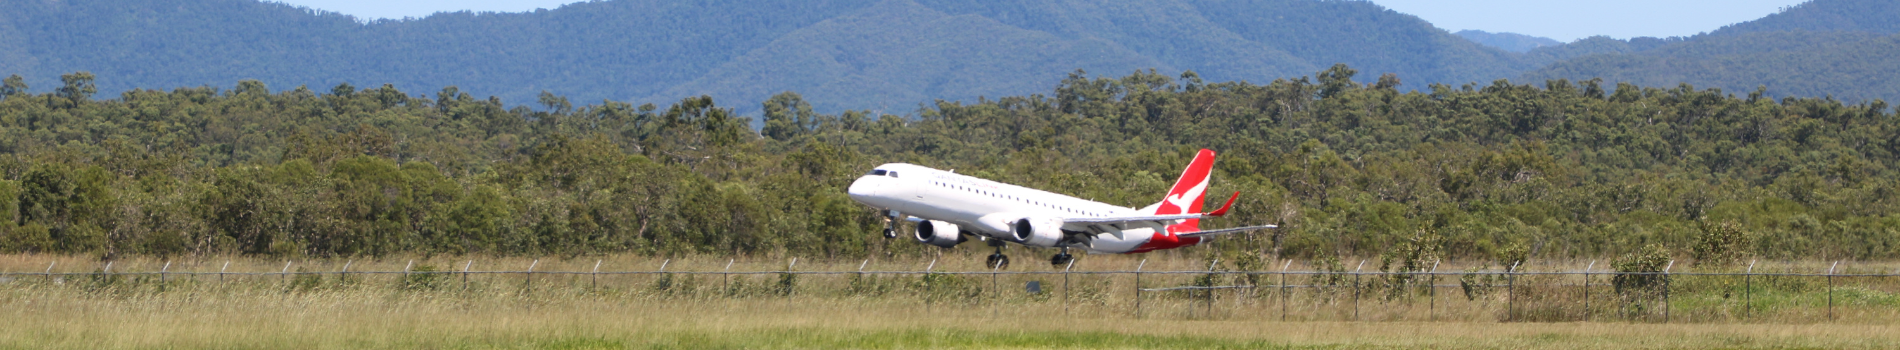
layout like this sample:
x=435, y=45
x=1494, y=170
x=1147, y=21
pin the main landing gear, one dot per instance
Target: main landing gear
x=1061, y=259
x=997, y=261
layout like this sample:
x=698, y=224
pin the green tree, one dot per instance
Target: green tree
x=12, y=85
x=77, y=88
x=787, y=116
x=1335, y=80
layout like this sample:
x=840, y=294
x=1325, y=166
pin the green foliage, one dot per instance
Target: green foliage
x=941, y=287
x=1720, y=244
x=1641, y=271
x=1477, y=284
x=676, y=284
x=871, y=286
x=1418, y=254
x=1512, y=256
x=787, y=284
x=13, y=85
x=424, y=277
x=1501, y=172
x=305, y=281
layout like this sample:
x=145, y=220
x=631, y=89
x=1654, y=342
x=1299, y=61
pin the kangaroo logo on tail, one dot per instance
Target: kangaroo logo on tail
x=1185, y=196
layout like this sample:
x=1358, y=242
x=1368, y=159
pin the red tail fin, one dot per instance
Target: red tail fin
x=1186, y=195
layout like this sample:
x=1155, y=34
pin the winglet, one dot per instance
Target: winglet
x=1223, y=207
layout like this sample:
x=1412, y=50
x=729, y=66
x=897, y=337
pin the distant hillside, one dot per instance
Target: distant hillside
x=842, y=54
x=1874, y=16
x=1845, y=49
x=888, y=55
x=1512, y=42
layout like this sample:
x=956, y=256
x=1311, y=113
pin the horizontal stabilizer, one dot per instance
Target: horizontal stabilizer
x=1204, y=233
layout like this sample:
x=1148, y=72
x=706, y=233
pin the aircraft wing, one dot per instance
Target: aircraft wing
x=1157, y=222
x=1138, y=220
x=1115, y=225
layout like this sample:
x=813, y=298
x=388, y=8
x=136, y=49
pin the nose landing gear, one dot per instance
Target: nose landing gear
x=890, y=224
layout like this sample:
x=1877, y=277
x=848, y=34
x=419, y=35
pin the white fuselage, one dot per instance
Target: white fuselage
x=984, y=207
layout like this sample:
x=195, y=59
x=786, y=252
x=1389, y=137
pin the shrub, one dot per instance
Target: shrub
x=1637, y=270
x=1720, y=244
x=425, y=277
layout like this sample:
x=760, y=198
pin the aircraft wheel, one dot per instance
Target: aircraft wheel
x=997, y=262
x=890, y=233
x=1061, y=259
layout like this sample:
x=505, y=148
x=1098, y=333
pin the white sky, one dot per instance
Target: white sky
x=1562, y=20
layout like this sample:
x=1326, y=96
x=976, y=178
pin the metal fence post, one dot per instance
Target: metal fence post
x=1355, y=289
x=1065, y=286
x=227, y=265
x=285, y=274
x=1283, y=296
x=996, y=295
x=1210, y=288
x=1666, y=286
x=49, y=270
x=1586, y=290
x=465, y=267
x=1748, y=289
x=530, y=282
x=162, y=271
x=726, y=277
x=1144, y=262
x=595, y=276
x=1830, y=289
x=1510, y=291
x=1431, y=293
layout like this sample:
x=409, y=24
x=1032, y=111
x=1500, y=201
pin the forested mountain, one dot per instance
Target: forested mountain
x=1351, y=168
x=1840, y=48
x=843, y=54
x=889, y=54
x=1825, y=16
x=1854, y=66
x=1512, y=42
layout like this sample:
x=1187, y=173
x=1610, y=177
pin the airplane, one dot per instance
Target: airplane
x=950, y=208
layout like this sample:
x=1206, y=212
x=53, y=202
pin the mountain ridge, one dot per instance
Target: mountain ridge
x=878, y=54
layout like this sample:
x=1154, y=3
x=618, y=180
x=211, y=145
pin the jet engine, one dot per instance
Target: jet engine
x=938, y=233
x=1037, y=231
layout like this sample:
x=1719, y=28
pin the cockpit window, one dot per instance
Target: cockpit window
x=878, y=172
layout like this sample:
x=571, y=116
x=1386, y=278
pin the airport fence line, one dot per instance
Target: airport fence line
x=1507, y=294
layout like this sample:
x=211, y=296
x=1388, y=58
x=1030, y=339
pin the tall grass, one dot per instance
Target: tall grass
x=322, y=309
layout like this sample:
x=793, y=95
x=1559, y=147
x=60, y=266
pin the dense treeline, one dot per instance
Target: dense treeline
x=1502, y=170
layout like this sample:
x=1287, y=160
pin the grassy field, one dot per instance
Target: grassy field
x=833, y=311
